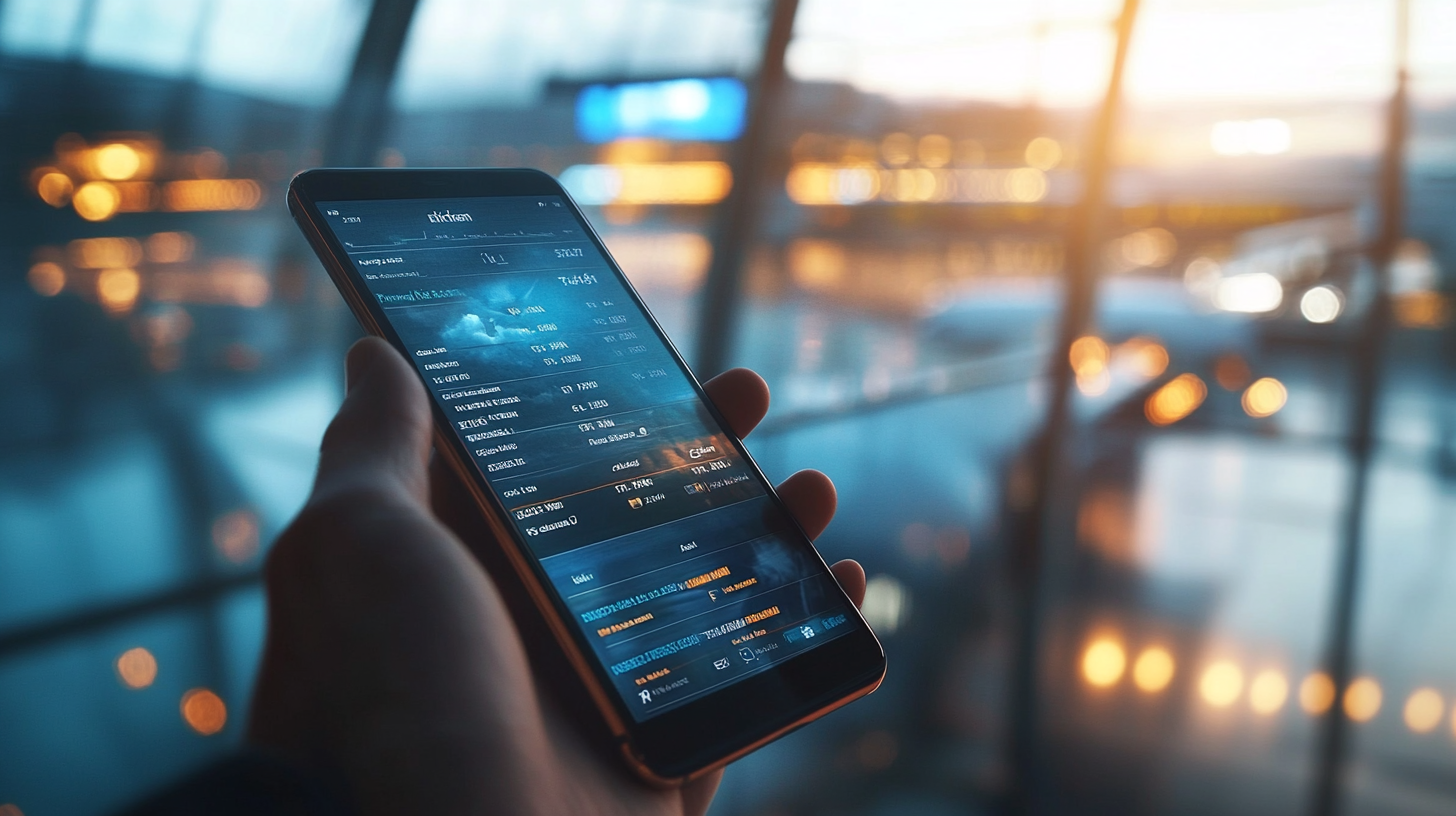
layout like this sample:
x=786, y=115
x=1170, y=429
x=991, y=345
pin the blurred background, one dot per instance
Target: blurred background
x=1125, y=329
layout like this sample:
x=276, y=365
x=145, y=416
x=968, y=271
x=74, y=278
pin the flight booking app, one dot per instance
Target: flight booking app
x=671, y=558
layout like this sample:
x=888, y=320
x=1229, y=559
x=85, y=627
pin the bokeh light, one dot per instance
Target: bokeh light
x=1221, y=684
x=101, y=253
x=235, y=535
x=1043, y=153
x=1144, y=355
x=1088, y=355
x=1322, y=304
x=204, y=711
x=137, y=668
x=11, y=809
x=1264, y=397
x=1362, y=699
x=54, y=188
x=1103, y=662
x=96, y=200
x=117, y=161
x=118, y=289
x=1153, y=670
x=1424, y=710
x=46, y=278
x=1268, y=692
x=169, y=247
x=1249, y=293
x=1175, y=400
x=1316, y=694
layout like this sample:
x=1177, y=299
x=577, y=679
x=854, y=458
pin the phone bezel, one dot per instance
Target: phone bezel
x=684, y=742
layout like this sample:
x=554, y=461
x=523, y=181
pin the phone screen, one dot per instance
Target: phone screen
x=663, y=544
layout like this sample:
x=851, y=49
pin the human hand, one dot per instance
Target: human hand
x=392, y=658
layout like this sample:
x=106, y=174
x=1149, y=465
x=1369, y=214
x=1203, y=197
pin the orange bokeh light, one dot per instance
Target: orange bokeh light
x=1177, y=399
x=137, y=668
x=204, y=711
x=1104, y=662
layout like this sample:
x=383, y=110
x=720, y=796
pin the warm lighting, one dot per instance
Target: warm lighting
x=1153, y=670
x=1316, y=693
x=137, y=668
x=1322, y=304
x=816, y=265
x=1264, y=137
x=96, y=200
x=1421, y=310
x=821, y=184
x=1362, y=700
x=170, y=247
x=101, y=253
x=1264, y=397
x=1151, y=247
x=54, y=188
x=203, y=195
x=1221, y=684
x=1043, y=153
x=117, y=161
x=118, y=289
x=697, y=182
x=1026, y=185
x=204, y=711
x=1268, y=692
x=1088, y=355
x=934, y=150
x=1249, y=293
x=1104, y=662
x=1231, y=372
x=10, y=809
x=814, y=184
x=1175, y=400
x=1423, y=710
x=1146, y=356
x=235, y=535
x=46, y=278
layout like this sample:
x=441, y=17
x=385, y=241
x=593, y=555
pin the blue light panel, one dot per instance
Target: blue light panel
x=680, y=109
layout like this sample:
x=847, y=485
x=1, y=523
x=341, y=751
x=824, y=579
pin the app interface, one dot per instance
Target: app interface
x=666, y=550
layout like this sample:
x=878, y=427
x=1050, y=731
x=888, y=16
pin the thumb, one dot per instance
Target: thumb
x=380, y=439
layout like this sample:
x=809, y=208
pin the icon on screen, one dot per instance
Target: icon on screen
x=806, y=631
x=695, y=488
x=645, y=695
x=747, y=654
x=721, y=663
x=634, y=502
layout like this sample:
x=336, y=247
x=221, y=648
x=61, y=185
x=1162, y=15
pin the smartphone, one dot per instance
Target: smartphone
x=701, y=619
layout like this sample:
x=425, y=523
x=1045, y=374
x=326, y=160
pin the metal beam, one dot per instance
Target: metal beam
x=357, y=127
x=1368, y=363
x=738, y=221
x=105, y=616
x=1035, y=520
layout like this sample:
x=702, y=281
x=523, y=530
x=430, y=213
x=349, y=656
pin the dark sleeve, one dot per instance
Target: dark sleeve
x=250, y=783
